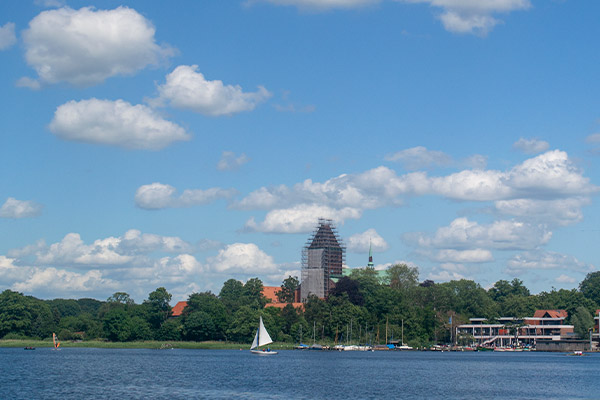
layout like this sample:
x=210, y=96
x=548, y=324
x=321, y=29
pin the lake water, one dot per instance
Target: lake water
x=75, y=373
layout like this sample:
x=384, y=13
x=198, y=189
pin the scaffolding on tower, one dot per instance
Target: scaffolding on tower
x=323, y=257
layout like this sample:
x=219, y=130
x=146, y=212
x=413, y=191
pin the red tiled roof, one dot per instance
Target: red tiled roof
x=178, y=309
x=270, y=293
x=281, y=305
x=551, y=313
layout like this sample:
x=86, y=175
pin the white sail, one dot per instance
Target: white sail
x=255, y=342
x=263, y=335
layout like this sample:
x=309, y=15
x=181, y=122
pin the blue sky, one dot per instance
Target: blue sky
x=180, y=144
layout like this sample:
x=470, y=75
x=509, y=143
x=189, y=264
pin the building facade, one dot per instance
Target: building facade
x=509, y=331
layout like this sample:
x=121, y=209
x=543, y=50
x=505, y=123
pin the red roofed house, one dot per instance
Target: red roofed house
x=270, y=292
x=178, y=309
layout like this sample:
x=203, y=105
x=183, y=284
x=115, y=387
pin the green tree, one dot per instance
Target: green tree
x=120, y=298
x=402, y=277
x=590, y=287
x=231, y=295
x=158, y=307
x=349, y=287
x=253, y=295
x=117, y=325
x=243, y=325
x=582, y=321
x=211, y=308
x=287, y=294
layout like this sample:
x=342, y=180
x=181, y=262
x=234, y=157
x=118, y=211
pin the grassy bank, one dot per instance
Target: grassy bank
x=150, y=344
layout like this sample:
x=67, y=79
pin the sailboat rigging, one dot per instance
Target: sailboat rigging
x=261, y=338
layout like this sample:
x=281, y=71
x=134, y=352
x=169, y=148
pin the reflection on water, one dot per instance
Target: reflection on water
x=74, y=373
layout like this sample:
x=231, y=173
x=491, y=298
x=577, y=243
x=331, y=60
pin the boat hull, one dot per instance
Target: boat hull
x=263, y=352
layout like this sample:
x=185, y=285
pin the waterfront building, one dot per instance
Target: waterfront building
x=322, y=260
x=508, y=331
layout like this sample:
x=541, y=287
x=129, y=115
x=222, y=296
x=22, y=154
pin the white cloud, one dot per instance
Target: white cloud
x=319, y=4
x=186, y=88
x=50, y=3
x=300, y=218
x=463, y=256
x=465, y=234
x=555, y=212
x=13, y=208
x=229, y=161
x=545, y=260
x=112, y=251
x=419, y=157
x=242, y=258
x=158, y=195
x=86, y=46
x=531, y=146
x=449, y=272
x=27, y=82
x=7, y=35
x=565, y=279
x=472, y=16
x=550, y=177
x=59, y=281
x=361, y=242
x=593, y=138
x=115, y=123
x=72, y=250
x=9, y=272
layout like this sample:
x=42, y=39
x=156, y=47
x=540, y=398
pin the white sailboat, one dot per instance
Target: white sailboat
x=261, y=338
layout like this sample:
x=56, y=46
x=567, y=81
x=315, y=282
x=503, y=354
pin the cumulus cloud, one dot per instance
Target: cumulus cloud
x=115, y=123
x=465, y=234
x=185, y=88
x=472, y=16
x=242, y=258
x=545, y=260
x=560, y=212
x=419, y=157
x=449, y=272
x=463, y=256
x=549, y=178
x=319, y=4
x=531, y=146
x=13, y=208
x=565, y=279
x=158, y=195
x=58, y=281
x=362, y=242
x=86, y=46
x=300, y=218
x=549, y=175
x=7, y=35
x=112, y=251
x=229, y=161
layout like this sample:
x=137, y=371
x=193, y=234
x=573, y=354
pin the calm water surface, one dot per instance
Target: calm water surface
x=74, y=373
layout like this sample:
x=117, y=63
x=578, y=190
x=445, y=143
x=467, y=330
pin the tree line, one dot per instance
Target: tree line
x=364, y=307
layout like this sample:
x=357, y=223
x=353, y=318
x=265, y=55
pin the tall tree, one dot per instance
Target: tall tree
x=402, y=277
x=590, y=287
x=287, y=294
x=158, y=306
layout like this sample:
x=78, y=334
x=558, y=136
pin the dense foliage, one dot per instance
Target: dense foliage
x=367, y=306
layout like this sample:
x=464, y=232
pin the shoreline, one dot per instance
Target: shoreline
x=149, y=344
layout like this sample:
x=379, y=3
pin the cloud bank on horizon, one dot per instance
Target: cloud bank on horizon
x=163, y=167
